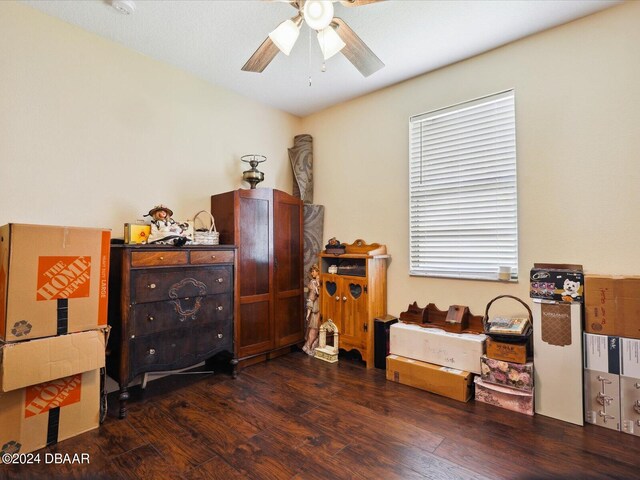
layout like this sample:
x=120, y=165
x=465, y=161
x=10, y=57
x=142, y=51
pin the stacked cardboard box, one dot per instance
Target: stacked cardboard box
x=612, y=352
x=53, y=315
x=630, y=386
x=557, y=292
x=602, y=380
x=434, y=360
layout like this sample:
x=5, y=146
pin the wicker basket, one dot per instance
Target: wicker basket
x=506, y=337
x=204, y=236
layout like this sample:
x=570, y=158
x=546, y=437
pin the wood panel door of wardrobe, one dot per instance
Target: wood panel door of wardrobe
x=288, y=269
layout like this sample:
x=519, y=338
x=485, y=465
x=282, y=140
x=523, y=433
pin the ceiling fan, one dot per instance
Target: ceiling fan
x=334, y=36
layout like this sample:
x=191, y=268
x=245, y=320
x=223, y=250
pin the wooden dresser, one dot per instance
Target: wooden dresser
x=169, y=308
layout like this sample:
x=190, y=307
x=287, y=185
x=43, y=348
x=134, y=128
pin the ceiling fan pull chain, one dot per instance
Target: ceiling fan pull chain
x=309, y=54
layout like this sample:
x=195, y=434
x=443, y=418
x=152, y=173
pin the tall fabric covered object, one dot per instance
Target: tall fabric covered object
x=301, y=158
x=313, y=229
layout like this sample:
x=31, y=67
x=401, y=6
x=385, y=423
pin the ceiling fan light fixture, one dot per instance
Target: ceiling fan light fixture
x=318, y=13
x=285, y=35
x=330, y=42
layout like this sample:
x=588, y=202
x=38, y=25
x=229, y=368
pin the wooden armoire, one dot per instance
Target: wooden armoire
x=266, y=226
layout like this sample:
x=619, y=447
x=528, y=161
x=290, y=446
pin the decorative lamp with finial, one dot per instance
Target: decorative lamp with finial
x=253, y=176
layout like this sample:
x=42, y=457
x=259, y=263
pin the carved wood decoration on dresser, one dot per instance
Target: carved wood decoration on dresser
x=356, y=294
x=169, y=308
x=266, y=226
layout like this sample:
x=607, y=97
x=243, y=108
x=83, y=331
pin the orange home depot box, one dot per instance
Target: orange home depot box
x=40, y=415
x=53, y=280
x=445, y=381
x=612, y=305
x=45, y=359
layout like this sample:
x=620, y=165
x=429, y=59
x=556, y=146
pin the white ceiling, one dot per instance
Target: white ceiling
x=213, y=39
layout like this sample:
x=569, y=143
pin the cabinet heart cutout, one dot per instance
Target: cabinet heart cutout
x=355, y=289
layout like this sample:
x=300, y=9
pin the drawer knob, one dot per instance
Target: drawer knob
x=344, y=299
x=219, y=308
x=152, y=351
x=213, y=257
x=219, y=335
x=151, y=286
x=133, y=336
x=161, y=257
x=219, y=280
x=150, y=318
x=337, y=298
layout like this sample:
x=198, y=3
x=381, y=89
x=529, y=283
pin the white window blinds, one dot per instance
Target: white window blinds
x=463, y=211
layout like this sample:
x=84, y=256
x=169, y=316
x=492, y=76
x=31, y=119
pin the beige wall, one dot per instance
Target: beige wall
x=578, y=141
x=95, y=134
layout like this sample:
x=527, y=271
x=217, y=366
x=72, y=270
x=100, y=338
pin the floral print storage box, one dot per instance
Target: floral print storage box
x=504, y=397
x=513, y=375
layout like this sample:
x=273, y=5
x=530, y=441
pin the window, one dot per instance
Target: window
x=463, y=211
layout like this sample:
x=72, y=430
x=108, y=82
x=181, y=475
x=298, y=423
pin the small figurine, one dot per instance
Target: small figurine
x=164, y=229
x=334, y=246
x=333, y=242
x=313, y=311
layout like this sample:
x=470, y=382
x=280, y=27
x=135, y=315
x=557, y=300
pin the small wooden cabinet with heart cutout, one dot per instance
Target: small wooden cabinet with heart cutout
x=355, y=294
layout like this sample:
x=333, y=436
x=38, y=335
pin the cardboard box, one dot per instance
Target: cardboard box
x=508, y=352
x=557, y=357
x=445, y=381
x=45, y=359
x=136, y=233
x=612, y=305
x=630, y=357
x=40, y=415
x=602, y=399
x=461, y=351
x=53, y=280
x=504, y=397
x=602, y=353
x=514, y=375
x=630, y=405
x=558, y=283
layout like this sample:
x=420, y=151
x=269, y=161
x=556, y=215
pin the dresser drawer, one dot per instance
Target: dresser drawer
x=157, y=285
x=159, y=316
x=211, y=256
x=158, y=259
x=178, y=348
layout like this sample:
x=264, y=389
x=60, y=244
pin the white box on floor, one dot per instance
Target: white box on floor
x=602, y=399
x=557, y=356
x=602, y=353
x=630, y=405
x=630, y=357
x=432, y=345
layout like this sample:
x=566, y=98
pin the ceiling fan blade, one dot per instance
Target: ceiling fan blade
x=294, y=3
x=358, y=3
x=261, y=57
x=356, y=50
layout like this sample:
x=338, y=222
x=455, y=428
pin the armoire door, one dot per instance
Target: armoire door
x=288, y=266
x=254, y=233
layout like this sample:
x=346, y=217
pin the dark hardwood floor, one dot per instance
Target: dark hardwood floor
x=300, y=418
